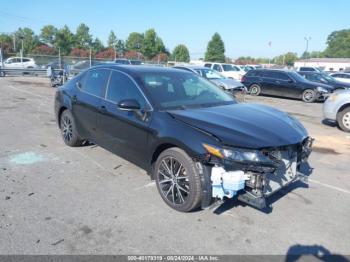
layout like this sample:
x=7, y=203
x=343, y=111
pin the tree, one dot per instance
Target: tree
x=108, y=53
x=134, y=41
x=152, y=44
x=48, y=34
x=215, y=49
x=97, y=45
x=286, y=59
x=6, y=43
x=112, y=39
x=78, y=52
x=82, y=38
x=44, y=50
x=338, y=44
x=120, y=47
x=181, y=54
x=64, y=40
x=30, y=40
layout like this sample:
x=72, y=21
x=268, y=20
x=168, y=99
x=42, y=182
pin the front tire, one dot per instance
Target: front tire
x=255, y=90
x=343, y=119
x=68, y=129
x=309, y=96
x=178, y=181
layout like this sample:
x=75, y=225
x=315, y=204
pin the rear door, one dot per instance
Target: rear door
x=86, y=101
x=124, y=132
x=267, y=82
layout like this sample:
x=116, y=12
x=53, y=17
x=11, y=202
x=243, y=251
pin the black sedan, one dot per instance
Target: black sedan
x=286, y=84
x=326, y=79
x=195, y=140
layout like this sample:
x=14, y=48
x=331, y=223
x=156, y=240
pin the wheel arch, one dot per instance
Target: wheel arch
x=60, y=111
x=343, y=107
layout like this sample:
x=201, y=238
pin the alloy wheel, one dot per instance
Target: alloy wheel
x=308, y=95
x=173, y=181
x=346, y=120
x=67, y=128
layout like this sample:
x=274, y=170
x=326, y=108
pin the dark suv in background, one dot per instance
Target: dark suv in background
x=284, y=83
x=324, y=78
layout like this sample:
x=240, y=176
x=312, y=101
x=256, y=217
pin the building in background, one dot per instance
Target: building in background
x=326, y=64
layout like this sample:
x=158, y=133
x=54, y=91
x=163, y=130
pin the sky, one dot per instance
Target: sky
x=246, y=26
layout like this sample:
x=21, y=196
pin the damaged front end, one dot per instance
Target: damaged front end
x=252, y=175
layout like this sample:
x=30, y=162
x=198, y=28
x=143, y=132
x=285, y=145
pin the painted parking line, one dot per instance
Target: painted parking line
x=329, y=186
x=26, y=92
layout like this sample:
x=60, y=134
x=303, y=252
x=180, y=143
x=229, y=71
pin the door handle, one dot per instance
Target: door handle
x=278, y=82
x=74, y=99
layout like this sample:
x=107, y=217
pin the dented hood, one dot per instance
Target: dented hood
x=245, y=125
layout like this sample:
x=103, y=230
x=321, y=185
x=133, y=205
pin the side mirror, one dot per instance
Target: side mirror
x=290, y=81
x=129, y=105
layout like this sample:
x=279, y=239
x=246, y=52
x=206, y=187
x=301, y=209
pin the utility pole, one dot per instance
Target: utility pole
x=14, y=43
x=307, y=39
x=21, y=37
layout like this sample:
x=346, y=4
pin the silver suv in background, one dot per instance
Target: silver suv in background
x=18, y=63
x=337, y=108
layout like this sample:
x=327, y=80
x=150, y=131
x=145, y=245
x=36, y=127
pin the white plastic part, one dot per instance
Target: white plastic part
x=227, y=183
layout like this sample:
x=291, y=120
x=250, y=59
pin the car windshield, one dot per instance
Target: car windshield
x=180, y=90
x=228, y=67
x=210, y=74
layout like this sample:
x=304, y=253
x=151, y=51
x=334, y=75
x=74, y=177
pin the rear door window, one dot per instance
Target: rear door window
x=95, y=81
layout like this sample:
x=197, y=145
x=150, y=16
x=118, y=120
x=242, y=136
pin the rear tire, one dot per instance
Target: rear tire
x=309, y=96
x=178, y=180
x=68, y=129
x=255, y=90
x=343, y=119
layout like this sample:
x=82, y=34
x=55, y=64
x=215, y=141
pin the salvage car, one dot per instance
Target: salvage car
x=284, y=83
x=194, y=139
x=325, y=79
x=337, y=108
x=229, y=85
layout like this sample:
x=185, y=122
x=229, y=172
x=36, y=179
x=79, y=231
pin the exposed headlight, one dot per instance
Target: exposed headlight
x=238, y=154
x=322, y=89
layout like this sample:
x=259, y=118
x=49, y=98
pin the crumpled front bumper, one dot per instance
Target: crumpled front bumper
x=263, y=183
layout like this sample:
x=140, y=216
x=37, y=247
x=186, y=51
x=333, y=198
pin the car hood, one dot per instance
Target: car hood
x=245, y=125
x=340, y=84
x=316, y=84
x=227, y=83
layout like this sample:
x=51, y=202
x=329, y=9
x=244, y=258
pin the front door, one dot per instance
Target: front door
x=124, y=132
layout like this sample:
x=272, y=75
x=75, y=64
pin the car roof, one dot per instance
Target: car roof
x=271, y=70
x=340, y=73
x=193, y=67
x=134, y=70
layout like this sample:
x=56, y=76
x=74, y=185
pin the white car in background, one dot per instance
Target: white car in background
x=228, y=70
x=343, y=77
x=18, y=63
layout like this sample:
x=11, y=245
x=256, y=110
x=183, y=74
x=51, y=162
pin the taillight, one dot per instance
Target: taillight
x=243, y=78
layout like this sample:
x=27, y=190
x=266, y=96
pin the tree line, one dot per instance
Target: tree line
x=52, y=41
x=147, y=45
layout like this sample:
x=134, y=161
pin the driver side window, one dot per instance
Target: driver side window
x=122, y=87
